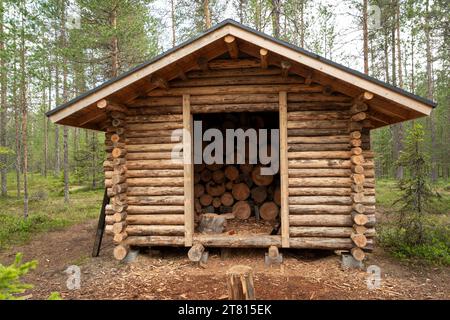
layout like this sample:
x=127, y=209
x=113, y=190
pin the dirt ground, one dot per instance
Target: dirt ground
x=169, y=274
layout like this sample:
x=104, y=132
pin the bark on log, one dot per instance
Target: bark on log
x=259, y=179
x=227, y=199
x=242, y=210
x=269, y=211
x=259, y=194
x=240, y=191
x=231, y=173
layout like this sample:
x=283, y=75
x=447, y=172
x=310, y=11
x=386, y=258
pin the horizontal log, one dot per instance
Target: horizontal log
x=151, y=147
x=338, y=232
x=233, y=73
x=149, y=209
x=153, y=164
x=150, y=156
x=156, y=182
x=343, y=200
x=159, y=230
x=319, y=182
x=154, y=118
x=306, y=97
x=325, y=220
x=315, y=132
x=154, y=126
x=318, y=115
x=319, y=139
x=155, y=191
x=161, y=200
x=319, y=155
x=156, y=219
x=240, y=89
x=318, y=147
x=319, y=209
x=148, y=241
x=317, y=124
x=177, y=133
x=238, y=241
x=232, y=81
x=148, y=140
x=320, y=243
x=154, y=173
x=319, y=163
x=314, y=172
x=319, y=191
x=244, y=107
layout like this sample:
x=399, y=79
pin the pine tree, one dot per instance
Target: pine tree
x=416, y=191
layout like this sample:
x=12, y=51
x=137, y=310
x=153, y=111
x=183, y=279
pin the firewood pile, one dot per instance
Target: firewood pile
x=237, y=191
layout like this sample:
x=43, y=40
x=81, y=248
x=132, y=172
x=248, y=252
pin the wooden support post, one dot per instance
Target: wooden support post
x=100, y=226
x=202, y=63
x=263, y=53
x=188, y=171
x=285, y=66
x=159, y=82
x=232, y=46
x=240, y=283
x=181, y=73
x=284, y=213
x=308, y=78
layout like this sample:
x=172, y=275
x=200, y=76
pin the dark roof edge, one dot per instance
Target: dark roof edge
x=237, y=24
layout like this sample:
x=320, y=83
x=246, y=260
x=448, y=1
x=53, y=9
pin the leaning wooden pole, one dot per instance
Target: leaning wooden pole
x=117, y=184
x=100, y=226
x=360, y=219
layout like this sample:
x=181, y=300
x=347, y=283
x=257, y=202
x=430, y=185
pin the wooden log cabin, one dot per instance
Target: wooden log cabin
x=234, y=77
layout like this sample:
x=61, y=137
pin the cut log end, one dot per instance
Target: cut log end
x=120, y=252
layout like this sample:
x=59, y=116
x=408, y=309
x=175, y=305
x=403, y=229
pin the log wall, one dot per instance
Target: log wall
x=326, y=183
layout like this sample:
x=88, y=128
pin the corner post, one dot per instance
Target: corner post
x=188, y=172
x=284, y=213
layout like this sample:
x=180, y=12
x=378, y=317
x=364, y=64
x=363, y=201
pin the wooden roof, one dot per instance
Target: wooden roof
x=389, y=104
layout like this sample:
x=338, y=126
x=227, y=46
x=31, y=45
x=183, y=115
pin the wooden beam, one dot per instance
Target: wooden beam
x=308, y=77
x=365, y=96
x=232, y=46
x=159, y=82
x=263, y=53
x=284, y=181
x=188, y=172
x=111, y=106
x=327, y=90
x=202, y=63
x=285, y=66
x=89, y=117
x=180, y=72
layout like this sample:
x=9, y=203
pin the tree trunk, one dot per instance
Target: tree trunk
x=276, y=18
x=3, y=106
x=173, y=22
x=65, y=99
x=114, y=45
x=431, y=120
x=207, y=14
x=365, y=38
x=23, y=101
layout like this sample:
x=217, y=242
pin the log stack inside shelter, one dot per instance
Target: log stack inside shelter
x=248, y=200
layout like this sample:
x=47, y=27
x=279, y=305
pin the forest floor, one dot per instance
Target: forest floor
x=170, y=275
x=59, y=235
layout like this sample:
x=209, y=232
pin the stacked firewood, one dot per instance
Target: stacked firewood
x=239, y=191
